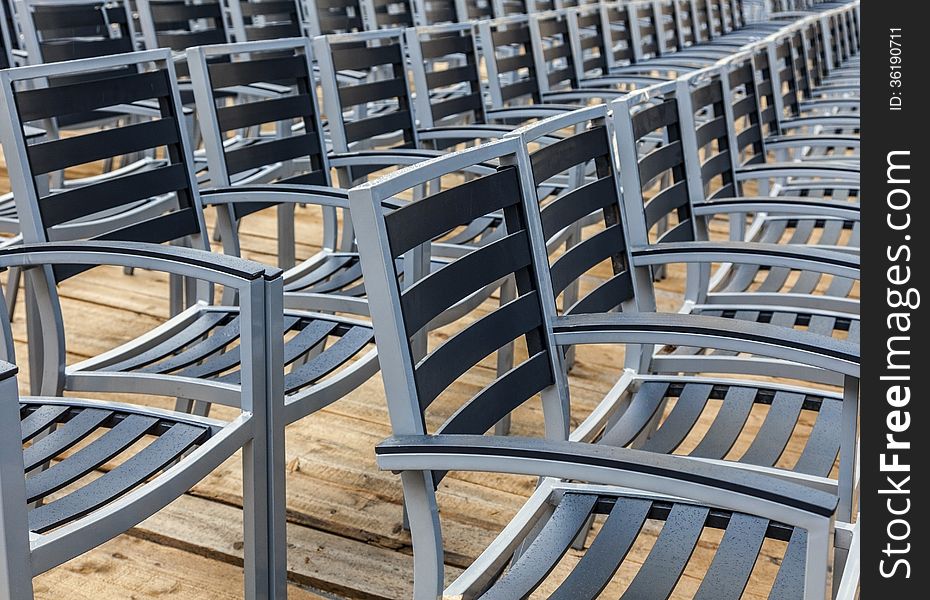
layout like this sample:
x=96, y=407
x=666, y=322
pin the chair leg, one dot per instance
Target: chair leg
x=265, y=544
x=14, y=279
x=420, y=501
x=15, y=568
x=287, y=257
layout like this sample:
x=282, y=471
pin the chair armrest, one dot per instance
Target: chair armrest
x=793, y=205
x=675, y=476
x=829, y=141
x=277, y=193
x=824, y=120
x=187, y=262
x=400, y=157
x=797, y=169
x=537, y=111
x=762, y=339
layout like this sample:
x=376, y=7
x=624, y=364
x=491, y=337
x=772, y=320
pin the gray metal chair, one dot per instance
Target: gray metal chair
x=194, y=355
x=433, y=433
x=54, y=502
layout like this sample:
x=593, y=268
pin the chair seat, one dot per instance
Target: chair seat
x=51, y=428
x=685, y=530
x=204, y=345
x=715, y=435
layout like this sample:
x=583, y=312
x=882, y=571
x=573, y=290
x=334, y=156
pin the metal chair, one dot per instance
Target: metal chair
x=65, y=506
x=630, y=486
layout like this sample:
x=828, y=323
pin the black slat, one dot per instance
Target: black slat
x=128, y=475
x=220, y=338
x=646, y=401
x=679, y=423
x=605, y=297
x=111, y=193
x=41, y=419
x=545, y=551
x=451, y=76
x=503, y=395
x=268, y=153
x=666, y=562
x=347, y=346
x=823, y=444
x=773, y=435
x=580, y=258
x=294, y=348
x=359, y=58
x=88, y=458
x=570, y=207
x=607, y=551
x=660, y=160
x=723, y=432
x=789, y=583
x=459, y=105
x=195, y=330
x=230, y=74
x=68, y=152
x=466, y=348
x=728, y=574
x=683, y=232
x=363, y=93
x=446, y=45
x=421, y=221
x=240, y=116
x=429, y=297
x=569, y=152
x=65, y=436
x=665, y=202
x=85, y=96
x=715, y=129
x=654, y=117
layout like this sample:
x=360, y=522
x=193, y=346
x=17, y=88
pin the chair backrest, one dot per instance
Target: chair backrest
x=181, y=24
x=507, y=8
x=387, y=14
x=333, y=16
x=380, y=105
x=668, y=26
x=288, y=156
x=389, y=235
x=265, y=20
x=655, y=193
x=60, y=30
x=582, y=223
x=702, y=25
x=784, y=81
x=552, y=51
x=589, y=49
x=161, y=191
x=748, y=145
x=646, y=39
x=684, y=11
x=508, y=57
x=446, y=76
x=769, y=101
x=620, y=36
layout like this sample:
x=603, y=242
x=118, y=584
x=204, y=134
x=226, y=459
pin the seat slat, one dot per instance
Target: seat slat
x=643, y=407
x=65, y=436
x=679, y=423
x=88, y=458
x=773, y=435
x=545, y=551
x=723, y=432
x=666, y=562
x=728, y=574
x=40, y=419
x=204, y=323
x=824, y=441
x=789, y=583
x=347, y=346
x=128, y=475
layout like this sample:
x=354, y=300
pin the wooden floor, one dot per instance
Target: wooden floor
x=345, y=535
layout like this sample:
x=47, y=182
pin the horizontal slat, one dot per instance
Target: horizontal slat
x=654, y=117
x=660, y=160
x=429, y=297
x=363, y=93
x=44, y=103
x=271, y=152
x=422, y=221
x=579, y=259
x=231, y=74
x=364, y=129
x=358, y=58
x=240, y=116
x=71, y=151
x=570, y=207
x=569, y=152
